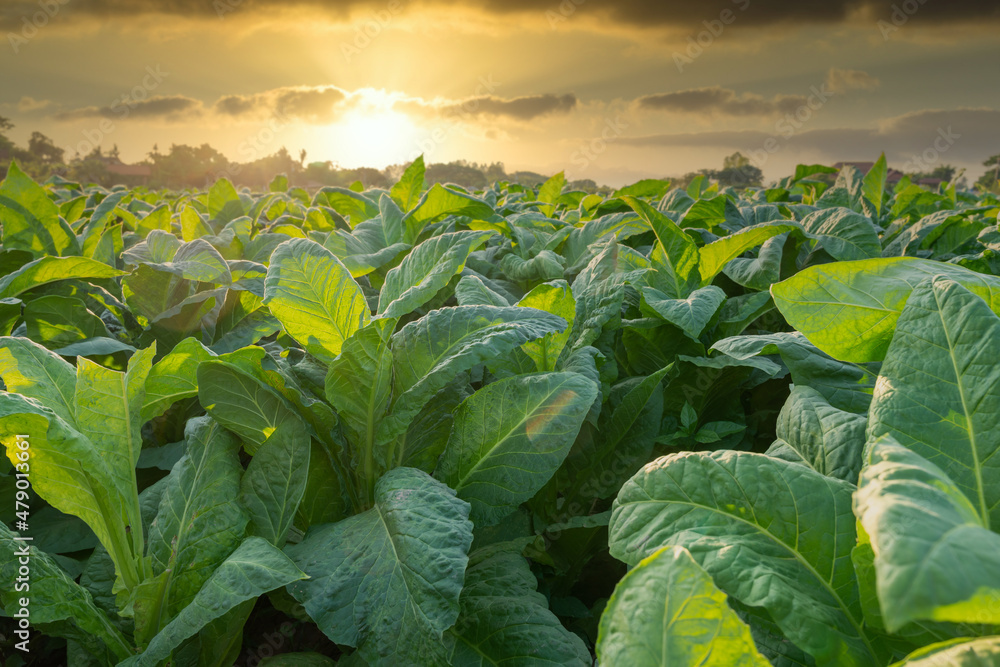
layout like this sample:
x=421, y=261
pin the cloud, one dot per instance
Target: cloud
x=722, y=102
x=26, y=104
x=528, y=107
x=173, y=108
x=641, y=13
x=318, y=104
x=842, y=80
x=926, y=137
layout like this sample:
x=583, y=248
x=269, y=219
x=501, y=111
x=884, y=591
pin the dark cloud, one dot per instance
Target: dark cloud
x=643, y=13
x=721, y=101
x=931, y=136
x=528, y=107
x=319, y=104
x=161, y=107
x=315, y=105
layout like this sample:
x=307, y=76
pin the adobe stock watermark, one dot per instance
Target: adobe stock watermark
x=121, y=109
x=369, y=29
x=589, y=151
x=900, y=15
x=562, y=13
x=254, y=145
x=22, y=513
x=272, y=644
x=927, y=160
x=223, y=7
x=702, y=40
x=463, y=111
x=786, y=127
x=30, y=25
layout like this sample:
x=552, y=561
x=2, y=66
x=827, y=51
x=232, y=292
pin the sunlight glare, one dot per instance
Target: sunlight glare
x=373, y=135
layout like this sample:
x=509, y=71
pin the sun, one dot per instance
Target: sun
x=373, y=136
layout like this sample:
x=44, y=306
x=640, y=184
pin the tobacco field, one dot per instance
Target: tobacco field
x=519, y=427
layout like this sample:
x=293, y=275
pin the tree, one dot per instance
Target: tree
x=43, y=150
x=737, y=172
x=735, y=161
x=260, y=172
x=944, y=173
x=991, y=179
x=90, y=169
x=6, y=145
x=187, y=166
x=459, y=172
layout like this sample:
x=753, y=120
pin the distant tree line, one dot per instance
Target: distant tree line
x=183, y=166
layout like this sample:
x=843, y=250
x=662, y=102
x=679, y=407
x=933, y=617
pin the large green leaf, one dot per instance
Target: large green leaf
x=199, y=521
x=108, y=404
x=843, y=234
x=388, y=580
x=712, y=258
x=439, y=202
x=813, y=432
x=67, y=470
x=243, y=403
x=354, y=206
x=746, y=519
x=314, y=297
x=510, y=437
x=505, y=621
x=690, y=315
x=253, y=569
x=174, y=377
x=845, y=385
x=939, y=390
x=157, y=295
x=647, y=187
x=275, y=481
x=50, y=269
x=934, y=558
x=30, y=219
x=705, y=213
x=29, y=369
x=366, y=248
x=430, y=352
x=676, y=256
x=224, y=203
x=406, y=192
x=58, y=321
x=58, y=605
x=197, y=260
x=359, y=385
x=549, y=191
x=604, y=458
x=981, y=652
x=873, y=184
x=471, y=291
x=667, y=611
x=849, y=309
x=425, y=270
x=546, y=265
x=556, y=298
x=762, y=271
x=599, y=291
x=581, y=241
x=428, y=432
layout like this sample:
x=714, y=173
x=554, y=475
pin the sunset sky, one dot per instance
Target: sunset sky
x=612, y=91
